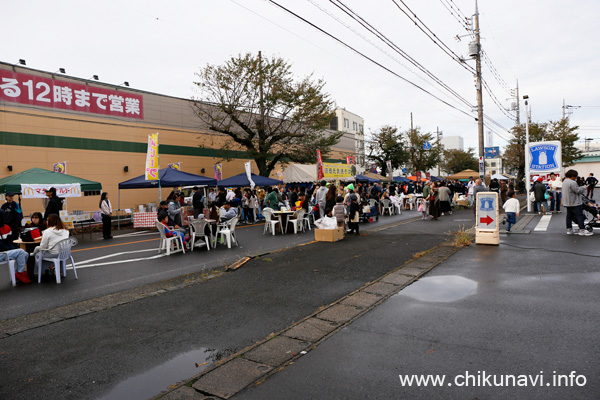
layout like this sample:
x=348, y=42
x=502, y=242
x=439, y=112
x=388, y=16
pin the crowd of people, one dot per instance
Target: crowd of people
x=41, y=234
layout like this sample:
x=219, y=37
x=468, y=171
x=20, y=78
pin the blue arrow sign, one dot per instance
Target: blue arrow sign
x=426, y=146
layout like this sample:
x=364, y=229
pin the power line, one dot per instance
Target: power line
x=437, y=40
x=366, y=57
x=366, y=25
x=461, y=21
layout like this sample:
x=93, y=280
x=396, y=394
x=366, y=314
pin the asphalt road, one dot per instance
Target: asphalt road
x=529, y=307
x=137, y=349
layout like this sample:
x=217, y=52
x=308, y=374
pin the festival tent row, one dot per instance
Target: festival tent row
x=466, y=174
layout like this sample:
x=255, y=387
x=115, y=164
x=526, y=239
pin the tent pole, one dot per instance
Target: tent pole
x=118, y=215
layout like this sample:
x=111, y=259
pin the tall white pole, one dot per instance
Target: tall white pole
x=527, y=173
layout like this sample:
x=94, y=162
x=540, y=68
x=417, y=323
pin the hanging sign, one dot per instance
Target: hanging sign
x=152, y=158
x=37, y=191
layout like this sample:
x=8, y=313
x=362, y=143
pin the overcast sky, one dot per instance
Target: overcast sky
x=550, y=46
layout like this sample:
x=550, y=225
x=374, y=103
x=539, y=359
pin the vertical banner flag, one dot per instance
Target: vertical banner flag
x=428, y=175
x=176, y=166
x=280, y=174
x=218, y=172
x=374, y=168
x=319, y=165
x=418, y=175
x=61, y=167
x=248, y=166
x=350, y=160
x=388, y=164
x=152, y=158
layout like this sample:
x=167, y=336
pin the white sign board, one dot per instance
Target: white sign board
x=481, y=167
x=487, y=207
x=545, y=157
x=35, y=191
x=487, y=228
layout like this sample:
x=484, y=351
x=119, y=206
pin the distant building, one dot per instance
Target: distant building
x=452, y=143
x=353, y=126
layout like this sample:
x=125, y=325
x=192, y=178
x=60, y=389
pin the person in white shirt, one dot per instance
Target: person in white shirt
x=106, y=211
x=555, y=192
x=512, y=208
x=54, y=233
x=470, y=186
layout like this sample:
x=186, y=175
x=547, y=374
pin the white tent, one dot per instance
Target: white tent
x=300, y=173
x=500, y=177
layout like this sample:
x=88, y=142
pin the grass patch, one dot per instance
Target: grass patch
x=462, y=238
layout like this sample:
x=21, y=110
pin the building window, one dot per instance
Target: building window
x=346, y=123
x=493, y=165
x=360, y=128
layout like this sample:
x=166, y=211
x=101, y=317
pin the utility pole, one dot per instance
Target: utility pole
x=478, y=85
x=437, y=131
x=411, y=124
x=261, y=103
x=563, y=108
x=518, y=115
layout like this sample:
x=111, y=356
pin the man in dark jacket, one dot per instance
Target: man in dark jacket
x=539, y=191
x=197, y=202
x=13, y=215
x=54, y=205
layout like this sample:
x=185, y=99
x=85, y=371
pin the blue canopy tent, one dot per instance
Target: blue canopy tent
x=401, y=179
x=362, y=178
x=436, y=179
x=241, y=180
x=168, y=177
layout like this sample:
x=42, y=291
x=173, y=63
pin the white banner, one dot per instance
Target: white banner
x=248, y=166
x=34, y=191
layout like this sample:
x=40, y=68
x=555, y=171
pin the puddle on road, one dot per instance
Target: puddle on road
x=157, y=379
x=440, y=289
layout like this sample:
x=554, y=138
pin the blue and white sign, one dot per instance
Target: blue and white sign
x=545, y=157
x=426, y=146
x=404, y=170
x=487, y=211
x=492, y=152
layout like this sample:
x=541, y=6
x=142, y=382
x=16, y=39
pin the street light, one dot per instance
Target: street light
x=527, y=174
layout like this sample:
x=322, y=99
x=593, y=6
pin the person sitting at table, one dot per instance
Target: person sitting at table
x=54, y=233
x=13, y=214
x=20, y=256
x=227, y=212
x=303, y=201
x=33, y=229
x=6, y=240
x=163, y=218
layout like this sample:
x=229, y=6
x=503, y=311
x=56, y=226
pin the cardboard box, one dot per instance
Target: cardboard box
x=329, y=235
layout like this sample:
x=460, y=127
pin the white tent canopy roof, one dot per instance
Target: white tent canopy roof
x=300, y=173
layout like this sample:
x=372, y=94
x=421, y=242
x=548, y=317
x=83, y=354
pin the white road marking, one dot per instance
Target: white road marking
x=84, y=264
x=543, y=224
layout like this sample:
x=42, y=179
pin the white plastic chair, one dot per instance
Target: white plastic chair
x=308, y=216
x=386, y=205
x=269, y=222
x=11, y=267
x=197, y=228
x=167, y=242
x=298, y=222
x=59, y=260
x=228, y=231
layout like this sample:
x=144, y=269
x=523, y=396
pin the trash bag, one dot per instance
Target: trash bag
x=326, y=223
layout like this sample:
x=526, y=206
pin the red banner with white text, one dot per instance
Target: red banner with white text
x=46, y=92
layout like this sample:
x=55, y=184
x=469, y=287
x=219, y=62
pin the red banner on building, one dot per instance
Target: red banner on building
x=350, y=160
x=46, y=92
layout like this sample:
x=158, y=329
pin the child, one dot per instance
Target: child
x=163, y=218
x=511, y=207
x=423, y=209
x=353, y=216
x=339, y=211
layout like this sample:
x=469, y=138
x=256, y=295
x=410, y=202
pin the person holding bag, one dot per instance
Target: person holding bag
x=106, y=211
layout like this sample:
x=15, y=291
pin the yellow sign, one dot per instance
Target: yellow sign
x=152, y=158
x=337, y=170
